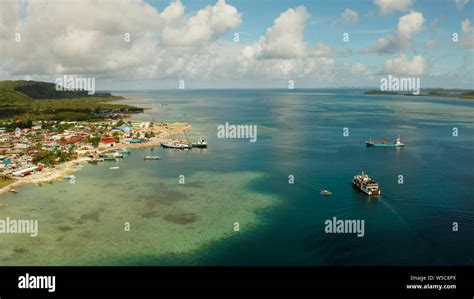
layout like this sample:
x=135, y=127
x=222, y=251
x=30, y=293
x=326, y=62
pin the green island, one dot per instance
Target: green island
x=33, y=100
x=433, y=92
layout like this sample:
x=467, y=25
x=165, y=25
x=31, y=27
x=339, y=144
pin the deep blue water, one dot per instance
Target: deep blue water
x=300, y=133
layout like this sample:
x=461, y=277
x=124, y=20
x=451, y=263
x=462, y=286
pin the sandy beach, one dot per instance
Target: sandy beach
x=49, y=174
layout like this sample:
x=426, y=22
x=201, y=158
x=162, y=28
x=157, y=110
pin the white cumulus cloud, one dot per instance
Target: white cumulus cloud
x=200, y=28
x=347, y=17
x=94, y=37
x=390, y=6
x=87, y=38
x=322, y=50
x=467, y=39
x=466, y=26
x=408, y=25
x=401, y=65
x=284, y=39
x=460, y=3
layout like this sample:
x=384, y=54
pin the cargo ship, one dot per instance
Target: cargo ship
x=366, y=184
x=176, y=145
x=385, y=143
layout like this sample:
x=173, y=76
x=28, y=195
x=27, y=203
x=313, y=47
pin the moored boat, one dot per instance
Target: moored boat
x=124, y=151
x=201, y=143
x=176, y=144
x=152, y=158
x=385, y=143
x=117, y=155
x=109, y=158
x=94, y=161
x=366, y=184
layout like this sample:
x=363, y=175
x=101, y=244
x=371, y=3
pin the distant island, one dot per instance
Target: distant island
x=379, y=92
x=32, y=100
x=434, y=92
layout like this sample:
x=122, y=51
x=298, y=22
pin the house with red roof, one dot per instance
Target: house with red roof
x=108, y=142
x=71, y=140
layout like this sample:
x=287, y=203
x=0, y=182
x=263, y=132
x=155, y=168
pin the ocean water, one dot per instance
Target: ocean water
x=300, y=133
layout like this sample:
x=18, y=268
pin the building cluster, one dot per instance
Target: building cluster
x=21, y=149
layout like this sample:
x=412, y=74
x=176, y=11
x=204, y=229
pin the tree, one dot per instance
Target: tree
x=119, y=123
x=94, y=141
x=45, y=157
x=116, y=135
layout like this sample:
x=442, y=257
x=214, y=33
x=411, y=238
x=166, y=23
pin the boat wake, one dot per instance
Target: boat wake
x=395, y=212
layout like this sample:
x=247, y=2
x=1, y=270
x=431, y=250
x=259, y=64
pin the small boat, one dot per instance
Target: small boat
x=117, y=155
x=152, y=158
x=124, y=151
x=109, y=158
x=13, y=190
x=70, y=177
x=201, y=143
x=366, y=184
x=326, y=192
x=114, y=167
x=94, y=161
x=385, y=143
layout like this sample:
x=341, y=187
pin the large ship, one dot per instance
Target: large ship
x=385, y=143
x=179, y=144
x=366, y=184
x=176, y=145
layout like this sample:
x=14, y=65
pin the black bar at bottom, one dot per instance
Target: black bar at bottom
x=221, y=282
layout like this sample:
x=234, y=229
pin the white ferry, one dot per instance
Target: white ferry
x=366, y=184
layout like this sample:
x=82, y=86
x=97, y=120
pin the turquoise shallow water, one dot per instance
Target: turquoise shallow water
x=299, y=133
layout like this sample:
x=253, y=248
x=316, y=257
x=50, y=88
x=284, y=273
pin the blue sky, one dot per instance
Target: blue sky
x=161, y=54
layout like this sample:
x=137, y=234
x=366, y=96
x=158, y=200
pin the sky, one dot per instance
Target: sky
x=140, y=44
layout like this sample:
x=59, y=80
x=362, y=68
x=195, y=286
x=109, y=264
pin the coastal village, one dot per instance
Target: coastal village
x=44, y=150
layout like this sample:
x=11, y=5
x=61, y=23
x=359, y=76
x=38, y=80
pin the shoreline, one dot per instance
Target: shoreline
x=59, y=172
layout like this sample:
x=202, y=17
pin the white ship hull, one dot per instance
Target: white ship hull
x=366, y=185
